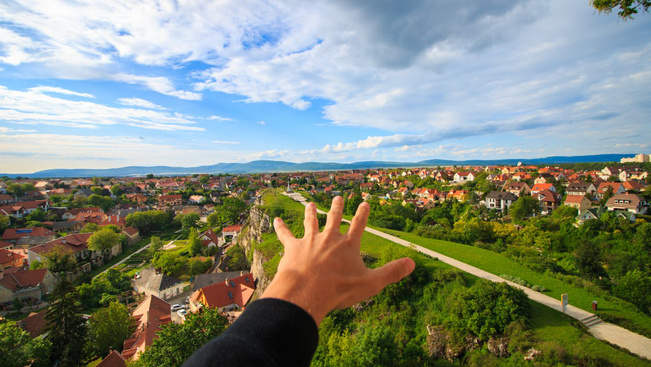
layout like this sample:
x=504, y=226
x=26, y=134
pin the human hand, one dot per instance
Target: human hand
x=324, y=270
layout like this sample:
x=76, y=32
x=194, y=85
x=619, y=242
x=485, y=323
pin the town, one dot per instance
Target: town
x=148, y=256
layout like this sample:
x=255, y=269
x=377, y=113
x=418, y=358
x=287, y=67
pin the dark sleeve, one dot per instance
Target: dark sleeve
x=270, y=332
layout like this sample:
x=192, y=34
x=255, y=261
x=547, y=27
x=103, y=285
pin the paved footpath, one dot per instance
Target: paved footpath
x=635, y=343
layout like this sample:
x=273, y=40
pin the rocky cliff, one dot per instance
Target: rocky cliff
x=257, y=224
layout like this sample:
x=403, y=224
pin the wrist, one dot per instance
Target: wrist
x=293, y=287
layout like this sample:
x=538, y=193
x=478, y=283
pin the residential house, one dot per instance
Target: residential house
x=204, y=280
x=548, y=200
x=28, y=236
x=133, y=235
x=580, y=188
x=170, y=200
x=6, y=199
x=542, y=186
x=579, y=202
x=150, y=315
x=603, y=188
x=628, y=202
x=113, y=359
x=26, y=285
x=587, y=214
x=72, y=213
x=16, y=211
x=462, y=177
x=196, y=199
x=632, y=173
x=634, y=186
x=459, y=195
x=518, y=188
x=34, y=324
x=209, y=238
x=115, y=220
x=3, y=188
x=231, y=232
x=76, y=244
x=153, y=282
x=228, y=295
x=499, y=200
x=12, y=258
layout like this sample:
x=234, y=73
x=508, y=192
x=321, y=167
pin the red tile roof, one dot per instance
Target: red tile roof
x=151, y=314
x=114, y=359
x=23, y=279
x=18, y=233
x=73, y=242
x=33, y=324
x=232, y=291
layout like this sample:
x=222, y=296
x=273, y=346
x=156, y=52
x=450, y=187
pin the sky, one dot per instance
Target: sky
x=103, y=84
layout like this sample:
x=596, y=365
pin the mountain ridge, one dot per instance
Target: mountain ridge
x=271, y=166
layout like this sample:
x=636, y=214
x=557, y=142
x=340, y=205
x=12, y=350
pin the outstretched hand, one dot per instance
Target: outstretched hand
x=324, y=270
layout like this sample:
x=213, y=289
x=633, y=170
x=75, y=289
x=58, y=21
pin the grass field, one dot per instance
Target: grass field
x=499, y=264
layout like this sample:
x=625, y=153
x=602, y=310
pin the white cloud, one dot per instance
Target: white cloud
x=139, y=102
x=158, y=84
x=261, y=122
x=220, y=118
x=60, y=91
x=35, y=108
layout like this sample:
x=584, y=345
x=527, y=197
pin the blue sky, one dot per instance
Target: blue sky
x=88, y=84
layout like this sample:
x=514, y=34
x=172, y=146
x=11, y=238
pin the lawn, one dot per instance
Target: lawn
x=499, y=264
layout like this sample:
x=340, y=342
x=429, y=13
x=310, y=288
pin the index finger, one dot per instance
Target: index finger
x=335, y=214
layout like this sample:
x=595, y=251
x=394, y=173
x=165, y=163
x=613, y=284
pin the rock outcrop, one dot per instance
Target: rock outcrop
x=257, y=224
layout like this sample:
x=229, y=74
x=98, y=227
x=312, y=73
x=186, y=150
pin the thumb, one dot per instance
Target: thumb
x=392, y=272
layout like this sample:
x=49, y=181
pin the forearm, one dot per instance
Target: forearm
x=271, y=332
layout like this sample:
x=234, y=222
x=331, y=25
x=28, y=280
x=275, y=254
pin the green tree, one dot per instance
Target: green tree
x=588, y=259
x=103, y=239
x=177, y=342
x=195, y=243
x=65, y=326
x=627, y=8
x=155, y=245
x=90, y=228
x=5, y=222
x=104, y=202
x=60, y=260
x=109, y=328
x=18, y=349
x=487, y=308
x=634, y=287
x=37, y=215
x=16, y=189
x=237, y=259
x=198, y=266
x=116, y=190
x=169, y=263
x=148, y=221
x=524, y=207
x=189, y=221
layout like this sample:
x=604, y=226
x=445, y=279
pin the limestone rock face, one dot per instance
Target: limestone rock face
x=498, y=347
x=257, y=224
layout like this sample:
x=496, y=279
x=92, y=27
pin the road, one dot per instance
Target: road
x=635, y=343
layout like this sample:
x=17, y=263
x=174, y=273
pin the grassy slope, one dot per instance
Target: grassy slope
x=547, y=325
x=499, y=264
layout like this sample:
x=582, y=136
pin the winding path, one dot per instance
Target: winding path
x=616, y=335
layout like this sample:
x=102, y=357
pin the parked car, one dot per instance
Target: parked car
x=177, y=307
x=182, y=313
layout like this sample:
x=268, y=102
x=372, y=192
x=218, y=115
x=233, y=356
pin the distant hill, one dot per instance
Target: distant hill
x=268, y=166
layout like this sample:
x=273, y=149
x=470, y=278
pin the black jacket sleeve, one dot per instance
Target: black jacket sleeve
x=270, y=332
